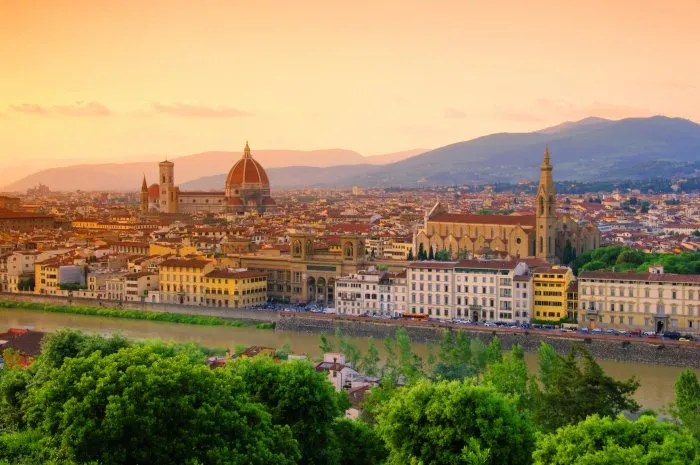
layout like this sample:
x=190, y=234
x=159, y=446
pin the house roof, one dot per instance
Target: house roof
x=466, y=218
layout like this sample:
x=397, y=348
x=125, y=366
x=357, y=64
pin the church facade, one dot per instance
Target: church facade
x=247, y=190
x=544, y=235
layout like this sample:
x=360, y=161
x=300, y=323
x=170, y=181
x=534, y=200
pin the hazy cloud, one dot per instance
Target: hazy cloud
x=192, y=110
x=83, y=109
x=78, y=109
x=453, y=113
x=31, y=109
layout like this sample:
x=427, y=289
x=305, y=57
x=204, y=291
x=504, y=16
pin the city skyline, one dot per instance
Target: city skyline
x=114, y=81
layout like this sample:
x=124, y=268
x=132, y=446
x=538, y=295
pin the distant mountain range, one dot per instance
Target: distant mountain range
x=593, y=149
x=128, y=176
x=590, y=149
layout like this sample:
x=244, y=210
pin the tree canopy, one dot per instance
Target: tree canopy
x=623, y=258
x=617, y=441
x=449, y=422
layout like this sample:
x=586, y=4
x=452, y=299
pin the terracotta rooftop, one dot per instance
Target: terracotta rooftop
x=231, y=274
x=632, y=276
x=512, y=220
x=185, y=263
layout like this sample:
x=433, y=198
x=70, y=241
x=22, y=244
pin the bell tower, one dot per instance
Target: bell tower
x=545, y=211
x=168, y=200
x=144, y=196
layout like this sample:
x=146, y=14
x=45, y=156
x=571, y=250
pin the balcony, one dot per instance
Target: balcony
x=591, y=311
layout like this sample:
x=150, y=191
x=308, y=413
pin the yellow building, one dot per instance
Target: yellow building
x=543, y=235
x=182, y=280
x=235, y=289
x=307, y=274
x=550, y=298
x=46, y=277
x=179, y=250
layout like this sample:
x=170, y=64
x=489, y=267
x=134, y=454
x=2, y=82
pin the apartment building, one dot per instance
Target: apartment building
x=234, y=288
x=358, y=293
x=181, y=280
x=475, y=290
x=493, y=290
x=653, y=301
x=551, y=284
x=431, y=289
x=392, y=294
x=138, y=285
x=16, y=267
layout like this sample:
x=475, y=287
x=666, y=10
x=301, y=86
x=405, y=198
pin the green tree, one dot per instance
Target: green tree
x=571, y=391
x=140, y=406
x=410, y=255
x=326, y=345
x=358, y=443
x=454, y=359
x=442, y=255
x=617, y=441
x=370, y=361
x=448, y=422
x=296, y=396
x=409, y=363
x=421, y=252
x=687, y=405
x=348, y=347
x=568, y=254
x=68, y=343
x=431, y=253
x=13, y=391
x=510, y=377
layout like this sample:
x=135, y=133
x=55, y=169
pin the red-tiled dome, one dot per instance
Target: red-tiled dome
x=246, y=171
x=154, y=191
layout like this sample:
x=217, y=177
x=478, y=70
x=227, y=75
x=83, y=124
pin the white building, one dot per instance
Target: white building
x=392, y=294
x=358, y=293
x=474, y=290
x=653, y=301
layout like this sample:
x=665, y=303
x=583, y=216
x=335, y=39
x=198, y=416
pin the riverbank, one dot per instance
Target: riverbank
x=135, y=314
x=620, y=349
x=235, y=314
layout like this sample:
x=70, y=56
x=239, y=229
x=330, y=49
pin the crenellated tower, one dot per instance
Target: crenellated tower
x=545, y=219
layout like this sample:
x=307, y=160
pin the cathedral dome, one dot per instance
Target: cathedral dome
x=246, y=173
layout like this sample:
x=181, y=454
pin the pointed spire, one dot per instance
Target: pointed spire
x=546, y=154
x=144, y=185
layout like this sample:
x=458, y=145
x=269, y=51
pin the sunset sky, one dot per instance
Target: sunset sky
x=118, y=80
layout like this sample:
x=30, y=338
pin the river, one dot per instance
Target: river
x=656, y=389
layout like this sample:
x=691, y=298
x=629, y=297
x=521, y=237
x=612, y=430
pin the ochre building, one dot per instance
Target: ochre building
x=247, y=190
x=542, y=235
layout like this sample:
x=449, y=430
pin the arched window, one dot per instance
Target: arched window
x=541, y=205
x=541, y=244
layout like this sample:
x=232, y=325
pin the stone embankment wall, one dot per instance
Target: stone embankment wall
x=623, y=349
x=260, y=316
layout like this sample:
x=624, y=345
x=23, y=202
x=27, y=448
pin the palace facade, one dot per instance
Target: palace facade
x=542, y=235
x=247, y=189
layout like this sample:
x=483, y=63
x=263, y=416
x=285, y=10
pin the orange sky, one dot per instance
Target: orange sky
x=100, y=80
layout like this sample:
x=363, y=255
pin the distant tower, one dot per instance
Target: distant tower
x=144, y=196
x=168, y=195
x=545, y=211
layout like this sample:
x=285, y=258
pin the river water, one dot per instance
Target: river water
x=656, y=389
